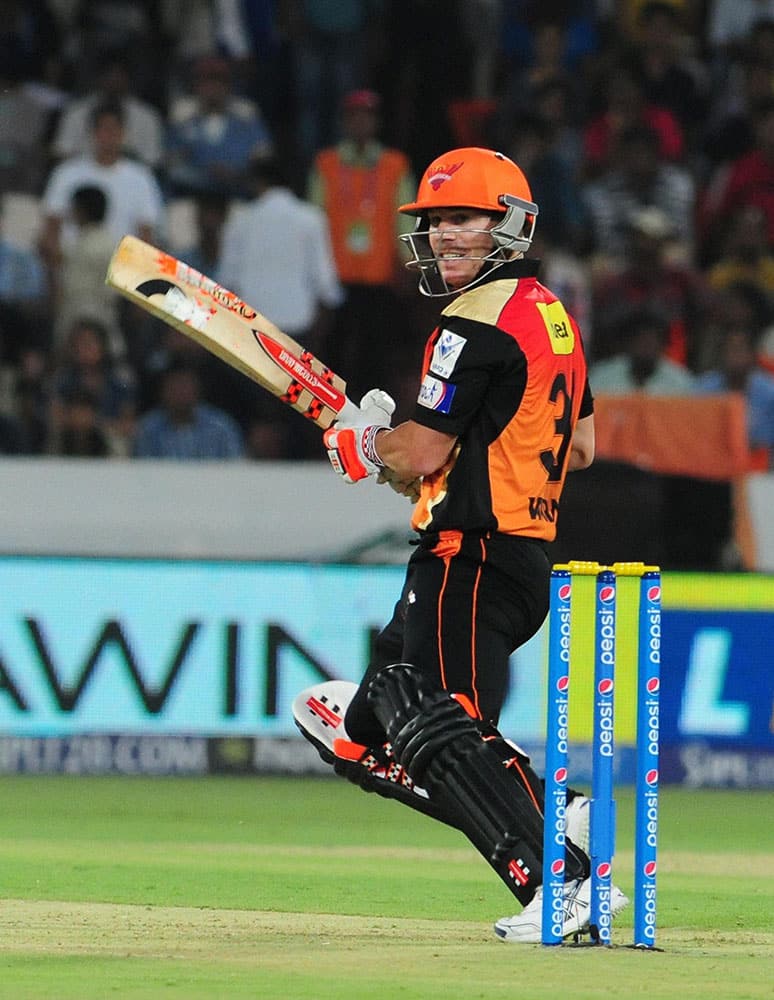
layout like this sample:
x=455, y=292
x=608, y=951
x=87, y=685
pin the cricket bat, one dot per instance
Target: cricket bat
x=228, y=327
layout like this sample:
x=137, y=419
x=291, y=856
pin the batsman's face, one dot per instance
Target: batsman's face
x=460, y=240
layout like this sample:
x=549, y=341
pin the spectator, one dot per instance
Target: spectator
x=737, y=370
x=737, y=305
x=728, y=127
x=640, y=364
x=649, y=277
x=103, y=27
x=24, y=296
x=30, y=37
x=748, y=180
x=747, y=255
x=29, y=401
x=88, y=374
x=182, y=426
x=277, y=254
x=134, y=201
x=729, y=24
x=557, y=103
x=144, y=125
x=81, y=277
x=24, y=124
x=670, y=74
x=210, y=214
x=563, y=218
x=546, y=61
x=625, y=108
x=80, y=434
x=329, y=43
x=359, y=184
x=639, y=178
x=213, y=135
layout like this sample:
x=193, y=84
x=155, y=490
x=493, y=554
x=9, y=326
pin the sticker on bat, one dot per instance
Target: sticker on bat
x=294, y=367
x=177, y=303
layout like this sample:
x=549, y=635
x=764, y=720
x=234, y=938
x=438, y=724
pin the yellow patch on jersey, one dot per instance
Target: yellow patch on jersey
x=560, y=331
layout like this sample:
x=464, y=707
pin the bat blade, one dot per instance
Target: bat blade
x=220, y=321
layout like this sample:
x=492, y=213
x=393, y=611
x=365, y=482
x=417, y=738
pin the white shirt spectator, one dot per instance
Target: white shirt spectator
x=133, y=194
x=277, y=256
x=143, y=125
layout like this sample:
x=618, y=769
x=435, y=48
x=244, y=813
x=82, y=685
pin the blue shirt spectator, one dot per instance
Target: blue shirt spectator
x=213, y=136
x=738, y=371
x=22, y=277
x=183, y=427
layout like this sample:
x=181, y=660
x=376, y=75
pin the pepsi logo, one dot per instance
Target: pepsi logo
x=563, y=684
x=604, y=869
x=607, y=594
x=653, y=685
x=605, y=686
x=560, y=775
x=654, y=593
x=565, y=592
x=557, y=867
x=651, y=777
x=649, y=869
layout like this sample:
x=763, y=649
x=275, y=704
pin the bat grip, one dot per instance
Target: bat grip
x=349, y=412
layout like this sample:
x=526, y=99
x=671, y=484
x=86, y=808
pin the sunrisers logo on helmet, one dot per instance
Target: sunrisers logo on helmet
x=441, y=174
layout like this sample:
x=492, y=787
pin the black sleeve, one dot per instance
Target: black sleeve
x=467, y=357
x=587, y=403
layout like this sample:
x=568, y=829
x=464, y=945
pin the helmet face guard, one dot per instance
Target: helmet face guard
x=510, y=235
x=476, y=179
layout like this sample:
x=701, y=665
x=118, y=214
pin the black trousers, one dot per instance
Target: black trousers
x=468, y=601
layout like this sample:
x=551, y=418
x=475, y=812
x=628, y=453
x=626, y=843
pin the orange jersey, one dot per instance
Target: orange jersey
x=505, y=372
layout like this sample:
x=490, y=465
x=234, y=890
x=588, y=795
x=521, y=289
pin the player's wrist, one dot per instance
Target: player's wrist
x=369, y=444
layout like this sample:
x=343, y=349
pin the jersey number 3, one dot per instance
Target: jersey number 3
x=553, y=463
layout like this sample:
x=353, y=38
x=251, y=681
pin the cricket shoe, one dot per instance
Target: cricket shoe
x=576, y=819
x=526, y=927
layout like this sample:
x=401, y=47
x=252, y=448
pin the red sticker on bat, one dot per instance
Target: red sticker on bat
x=293, y=365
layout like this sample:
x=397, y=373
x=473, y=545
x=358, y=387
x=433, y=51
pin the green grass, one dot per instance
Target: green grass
x=271, y=888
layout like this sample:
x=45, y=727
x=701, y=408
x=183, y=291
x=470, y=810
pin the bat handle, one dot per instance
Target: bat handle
x=349, y=412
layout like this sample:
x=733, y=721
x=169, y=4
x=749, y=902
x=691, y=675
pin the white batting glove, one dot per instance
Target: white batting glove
x=377, y=406
x=351, y=441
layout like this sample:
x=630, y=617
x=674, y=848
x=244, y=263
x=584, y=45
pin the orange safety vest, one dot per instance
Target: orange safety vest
x=360, y=202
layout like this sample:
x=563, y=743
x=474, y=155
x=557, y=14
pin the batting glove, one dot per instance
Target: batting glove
x=406, y=487
x=351, y=441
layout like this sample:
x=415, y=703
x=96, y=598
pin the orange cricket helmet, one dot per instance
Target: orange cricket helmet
x=471, y=177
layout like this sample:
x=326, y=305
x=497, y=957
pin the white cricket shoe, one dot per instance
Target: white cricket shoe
x=526, y=926
x=577, y=817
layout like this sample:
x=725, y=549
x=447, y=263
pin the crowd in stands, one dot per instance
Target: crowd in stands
x=269, y=142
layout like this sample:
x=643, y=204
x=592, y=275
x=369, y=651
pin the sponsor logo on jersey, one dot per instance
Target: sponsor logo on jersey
x=436, y=395
x=560, y=332
x=445, y=353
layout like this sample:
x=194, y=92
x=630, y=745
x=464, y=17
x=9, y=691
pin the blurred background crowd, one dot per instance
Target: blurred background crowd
x=268, y=143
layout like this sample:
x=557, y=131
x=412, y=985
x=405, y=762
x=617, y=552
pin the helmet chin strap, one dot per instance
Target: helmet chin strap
x=430, y=272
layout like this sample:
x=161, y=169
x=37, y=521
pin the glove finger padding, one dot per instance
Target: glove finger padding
x=352, y=452
x=378, y=400
x=376, y=407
